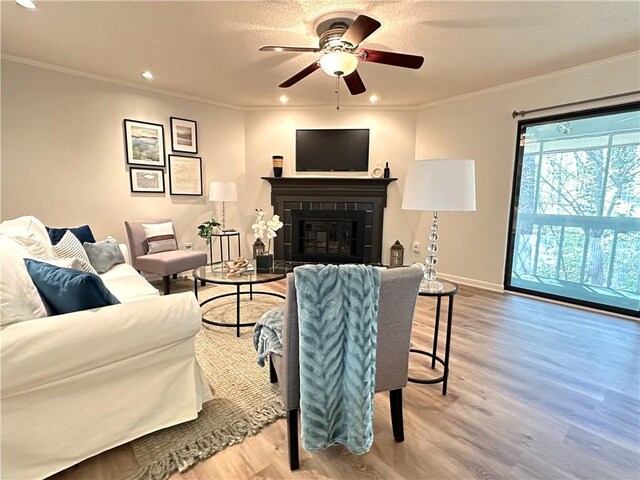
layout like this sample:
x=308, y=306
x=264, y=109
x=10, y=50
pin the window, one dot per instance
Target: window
x=575, y=221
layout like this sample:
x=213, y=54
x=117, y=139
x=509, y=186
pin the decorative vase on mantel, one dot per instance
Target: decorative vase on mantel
x=277, y=161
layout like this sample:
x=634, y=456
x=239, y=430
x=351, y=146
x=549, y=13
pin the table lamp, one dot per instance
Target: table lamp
x=438, y=185
x=223, y=192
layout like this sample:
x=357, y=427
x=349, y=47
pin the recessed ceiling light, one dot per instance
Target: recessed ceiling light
x=30, y=4
x=284, y=99
x=373, y=98
x=147, y=75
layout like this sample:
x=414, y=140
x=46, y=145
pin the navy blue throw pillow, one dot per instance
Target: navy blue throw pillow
x=82, y=233
x=66, y=290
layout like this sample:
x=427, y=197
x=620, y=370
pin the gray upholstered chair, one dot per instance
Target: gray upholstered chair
x=165, y=264
x=398, y=294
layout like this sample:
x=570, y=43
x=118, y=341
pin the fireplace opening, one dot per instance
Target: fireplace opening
x=327, y=236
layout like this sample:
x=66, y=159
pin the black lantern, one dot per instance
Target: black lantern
x=258, y=248
x=397, y=255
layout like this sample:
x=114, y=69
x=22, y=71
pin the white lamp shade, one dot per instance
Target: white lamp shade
x=223, y=192
x=440, y=185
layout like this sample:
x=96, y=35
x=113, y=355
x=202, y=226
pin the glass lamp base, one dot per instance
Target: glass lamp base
x=431, y=286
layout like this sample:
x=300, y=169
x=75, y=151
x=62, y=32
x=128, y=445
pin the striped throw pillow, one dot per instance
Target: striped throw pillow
x=70, y=247
x=160, y=237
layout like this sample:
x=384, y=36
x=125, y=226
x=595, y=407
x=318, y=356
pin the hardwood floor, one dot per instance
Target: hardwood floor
x=536, y=390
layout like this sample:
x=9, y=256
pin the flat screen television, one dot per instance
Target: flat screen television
x=332, y=150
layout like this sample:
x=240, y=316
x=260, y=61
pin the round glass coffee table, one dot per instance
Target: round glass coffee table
x=214, y=273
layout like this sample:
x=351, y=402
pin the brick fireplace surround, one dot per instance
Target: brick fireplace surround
x=368, y=196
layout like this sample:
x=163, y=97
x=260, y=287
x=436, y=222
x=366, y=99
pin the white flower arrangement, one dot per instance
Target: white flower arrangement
x=268, y=229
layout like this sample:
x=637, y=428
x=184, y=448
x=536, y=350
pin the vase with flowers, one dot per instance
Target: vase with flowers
x=264, y=230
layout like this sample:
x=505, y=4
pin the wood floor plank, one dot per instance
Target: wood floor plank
x=537, y=390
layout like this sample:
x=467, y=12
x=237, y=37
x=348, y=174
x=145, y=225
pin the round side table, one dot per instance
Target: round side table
x=449, y=290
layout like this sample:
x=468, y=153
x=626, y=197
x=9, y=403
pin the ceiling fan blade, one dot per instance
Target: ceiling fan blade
x=275, y=48
x=354, y=83
x=300, y=75
x=360, y=29
x=390, y=58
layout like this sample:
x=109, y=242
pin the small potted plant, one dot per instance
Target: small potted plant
x=265, y=230
x=206, y=231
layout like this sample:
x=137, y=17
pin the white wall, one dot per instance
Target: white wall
x=63, y=154
x=392, y=139
x=480, y=127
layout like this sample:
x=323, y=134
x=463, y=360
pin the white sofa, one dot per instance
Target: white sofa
x=77, y=384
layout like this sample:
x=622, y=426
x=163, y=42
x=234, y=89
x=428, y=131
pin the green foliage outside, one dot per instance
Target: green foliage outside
x=588, y=191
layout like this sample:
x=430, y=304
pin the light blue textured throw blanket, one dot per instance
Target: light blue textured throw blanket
x=267, y=334
x=337, y=315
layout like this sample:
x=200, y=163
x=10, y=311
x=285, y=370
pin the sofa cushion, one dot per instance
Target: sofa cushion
x=168, y=263
x=104, y=254
x=70, y=247
x=82, y=233
x=19, y=298
x=29, y=232
x=66, y=290
x=128, y=285
x=160, y=237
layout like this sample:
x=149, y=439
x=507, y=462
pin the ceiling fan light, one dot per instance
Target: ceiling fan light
x=338, y=64
x=28, y=4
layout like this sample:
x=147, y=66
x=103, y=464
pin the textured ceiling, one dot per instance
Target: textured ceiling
x=210, y=49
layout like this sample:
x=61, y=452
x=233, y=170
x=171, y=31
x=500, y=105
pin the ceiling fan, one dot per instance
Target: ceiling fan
x=340, y=39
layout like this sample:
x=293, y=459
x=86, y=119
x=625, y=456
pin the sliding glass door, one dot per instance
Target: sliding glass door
x=575, y=221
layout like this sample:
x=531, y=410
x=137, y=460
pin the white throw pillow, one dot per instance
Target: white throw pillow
x=70, y=247
x=19, y=298
x=29, y=232
x=160, y=237
x=72, y=263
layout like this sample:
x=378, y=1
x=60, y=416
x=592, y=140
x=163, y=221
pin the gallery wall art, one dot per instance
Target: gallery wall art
x=184, y=135
x=144, y=143
x=185, y=175
x=146, y=180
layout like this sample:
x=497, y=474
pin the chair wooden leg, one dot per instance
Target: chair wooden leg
x=273, y=376
x=292, y=435
x=397, y=422
x=165, y=283
x=175, y=276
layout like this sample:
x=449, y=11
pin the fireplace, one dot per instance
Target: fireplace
x=329, y=219
x=327, y=236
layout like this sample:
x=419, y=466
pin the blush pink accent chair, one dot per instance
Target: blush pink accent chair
x=165, y=264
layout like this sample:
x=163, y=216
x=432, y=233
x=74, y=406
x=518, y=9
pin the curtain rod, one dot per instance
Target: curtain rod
x=522, y=113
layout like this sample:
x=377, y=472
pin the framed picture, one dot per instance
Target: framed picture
x=146, y=180
x=185, y=175
x=184, y=135
x=144, y=143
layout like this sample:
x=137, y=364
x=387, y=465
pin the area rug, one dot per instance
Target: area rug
x=244, y=401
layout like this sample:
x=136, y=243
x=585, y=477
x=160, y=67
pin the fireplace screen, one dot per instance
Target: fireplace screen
x=336, y=237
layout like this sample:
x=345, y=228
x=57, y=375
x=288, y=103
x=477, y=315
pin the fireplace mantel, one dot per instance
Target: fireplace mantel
x=330, y=193
x=328, y=186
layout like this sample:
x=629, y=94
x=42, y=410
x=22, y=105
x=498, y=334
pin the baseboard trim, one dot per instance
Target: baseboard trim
x=472, y=282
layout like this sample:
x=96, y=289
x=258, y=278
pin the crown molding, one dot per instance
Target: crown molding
x=115, y=81
x=170, y=93
x=525, y=81
x=351, y=108
x=268, y=108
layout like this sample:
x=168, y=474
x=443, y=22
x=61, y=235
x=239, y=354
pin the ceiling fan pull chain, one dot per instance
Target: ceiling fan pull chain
x=338, y=93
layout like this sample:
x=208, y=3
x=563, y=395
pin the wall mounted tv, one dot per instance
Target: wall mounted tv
x=332, y=150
